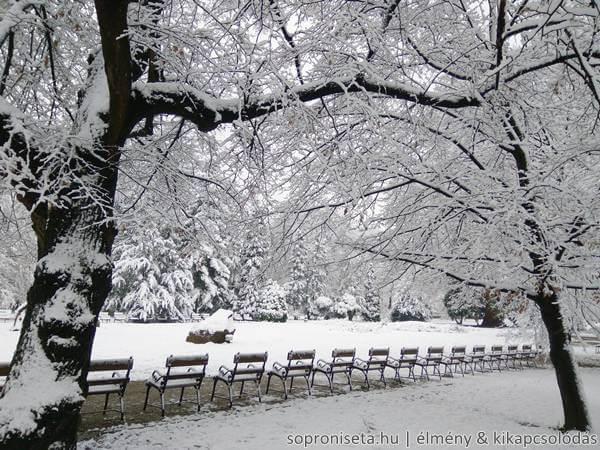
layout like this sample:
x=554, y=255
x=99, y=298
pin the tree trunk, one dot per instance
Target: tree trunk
x=45, y=389
x=574, y=408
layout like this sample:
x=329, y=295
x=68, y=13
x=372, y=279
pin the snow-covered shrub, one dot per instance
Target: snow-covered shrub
x=270, y=304
x=345, y=307
x=306, y=282
x=250, y=277
x=321, y=307
x=408, y=307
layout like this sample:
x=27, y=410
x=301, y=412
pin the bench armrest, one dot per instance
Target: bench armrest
x=361, y=363
x=156, y=375
x=323, y=365
x=277, y=366
x=225, y=372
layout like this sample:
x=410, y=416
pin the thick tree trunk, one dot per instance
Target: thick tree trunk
x=574, y=408
x=45, y=389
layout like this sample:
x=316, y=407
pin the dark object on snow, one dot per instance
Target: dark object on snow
x=116, y=383
x=408, y=359
x=377, y=362
x=250, y=373
x=204, y=336
x=191, y=372
x=4, y=369
x=300, y=364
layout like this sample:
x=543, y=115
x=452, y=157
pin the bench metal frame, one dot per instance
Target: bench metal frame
x=175, y=379
x=115, y=384
x=377, y=362
x=457, y=360
x=408, y=359
x=433, y=359
x=241, y=374
x=300, y=364
x=342, y=361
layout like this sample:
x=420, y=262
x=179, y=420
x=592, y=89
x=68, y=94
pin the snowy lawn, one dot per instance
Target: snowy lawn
x=150, y=344
x=521, y=403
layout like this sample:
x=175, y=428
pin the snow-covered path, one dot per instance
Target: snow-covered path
x=523, y=403
x=150, y=344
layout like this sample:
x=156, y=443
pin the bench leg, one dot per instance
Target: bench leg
x=257, y=382
x=307, y=384
x=230, y=391
x=181, y=396
x=212, y=396
x=197, y=396
x=122, y=408
x=291, y=384
x=105, y=404
x=382, y=378
x=285, y=394
x=162, y=403
x=146, y=399
x=349, y=376
x=330, y=380
x=268, y=383
x=241, y=389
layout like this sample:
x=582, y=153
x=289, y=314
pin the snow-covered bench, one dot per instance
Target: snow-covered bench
x=100, y=383
x=432, y=359
x=496, y=356
x=4, y=368
x=527, y=355
x=181, y=372
x=510, y=356
x=407, y=360
x=252, y=372
x=377, y=362
x=457, y=359
x=300, y=364
x=6, y=315
x=104, y=317
x=478, y=357
x=342, y=361
x=120, y=317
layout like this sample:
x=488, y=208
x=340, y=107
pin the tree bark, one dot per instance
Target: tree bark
x=47, y=382
x=574, y=408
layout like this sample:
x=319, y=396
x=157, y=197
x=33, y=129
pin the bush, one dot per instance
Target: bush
x=270, y=304
x=345, y=307
x=322, y=307
x=407, y=307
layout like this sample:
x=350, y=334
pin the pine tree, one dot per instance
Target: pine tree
x=251, y=277
x=270, y=304
x=370, y=306
x=211, y=282
x=153, y=276
x=307, y=282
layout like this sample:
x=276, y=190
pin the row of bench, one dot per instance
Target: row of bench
x=183, y=372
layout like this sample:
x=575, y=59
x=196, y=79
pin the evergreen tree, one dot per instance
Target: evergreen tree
x=370, y=306
x=408, y=307
x=307, y=282
x=250, y=279
x=270, y=304
x=211, y=282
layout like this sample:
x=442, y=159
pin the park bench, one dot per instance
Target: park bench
x=342, y=361
x=528, y=355
x=478, y=357
x=408, y=359
x=456, y=360
x=496, y=356
x=300, y=364
x=100, y=383
x=587, y=339
x=104, y=317
x=510, y=356
x=4, y=369
x=252, y=372
x=181, y=372
x=376, y=363
x=432, y=359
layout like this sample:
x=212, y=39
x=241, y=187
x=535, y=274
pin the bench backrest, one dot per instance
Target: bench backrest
x=459, y=350
x=187, y=361
x=435, y=352
x=526, y=348
x=379, y=352
x=301, y=359
x=512, y=348
x=409, y=353
x=98, y=365
x=343, y=353
x=196, y=365
x=478, y=349
x=497, y=348
x=4, y=369
x=249, y=359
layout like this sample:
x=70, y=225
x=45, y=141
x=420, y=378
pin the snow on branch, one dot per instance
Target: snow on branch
x=16, y=14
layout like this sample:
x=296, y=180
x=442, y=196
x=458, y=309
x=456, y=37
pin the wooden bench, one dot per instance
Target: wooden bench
x=377, y=362
x=181, y=372
x=6, y=315
x=510, y=356
x=342, y=361
x=478, y=357
x=300, y=364
x=252, y=372
x=99, y=383
x=456, y=360
x=587, y=339
x=104, y=317
x=4, y=369
x=408, y=359
x=432, y=359
x=119, y=317
x=527, y=355
x=496, y=357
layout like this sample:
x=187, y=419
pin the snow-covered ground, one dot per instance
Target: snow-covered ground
x=150, y=344
x=508, y=406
